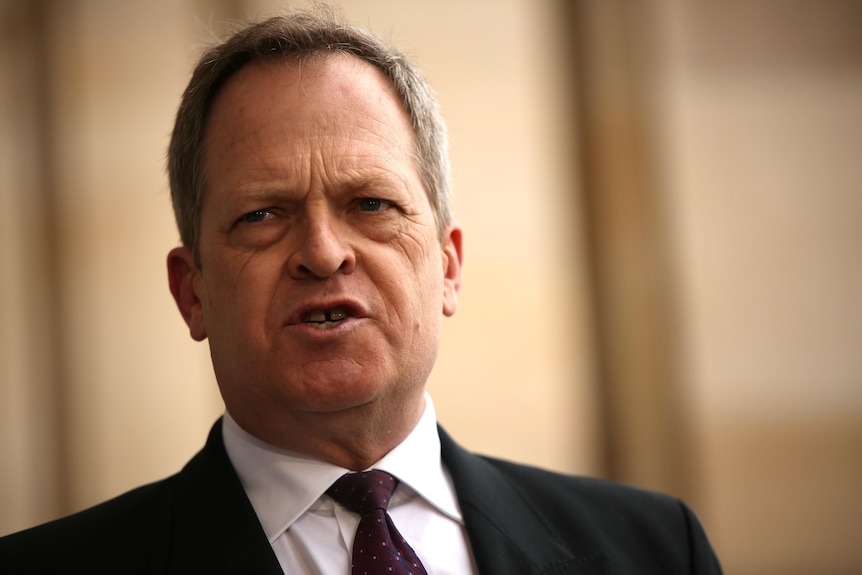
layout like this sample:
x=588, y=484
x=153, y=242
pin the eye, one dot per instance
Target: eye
x=373, y=204
x=256, y=216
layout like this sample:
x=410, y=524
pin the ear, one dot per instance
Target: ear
x=452, y=260
x=183, y=275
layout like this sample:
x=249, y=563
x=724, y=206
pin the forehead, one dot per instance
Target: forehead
x=308, y=98
x=288, y=120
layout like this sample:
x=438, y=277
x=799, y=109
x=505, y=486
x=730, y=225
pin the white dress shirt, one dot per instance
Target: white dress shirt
x=311, y=534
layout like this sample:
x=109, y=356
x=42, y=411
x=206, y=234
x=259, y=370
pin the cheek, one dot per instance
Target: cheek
x=236, y=297
x=422, y=286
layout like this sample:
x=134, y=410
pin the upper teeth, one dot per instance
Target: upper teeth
x=321, y=316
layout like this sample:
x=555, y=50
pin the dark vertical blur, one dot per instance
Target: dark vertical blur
x=31, y=24
x=631, y=287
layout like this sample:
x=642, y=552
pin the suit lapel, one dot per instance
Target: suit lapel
x=215, y=527
x=506, y=534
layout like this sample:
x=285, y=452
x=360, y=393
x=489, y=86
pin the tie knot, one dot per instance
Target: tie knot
x=365, y=491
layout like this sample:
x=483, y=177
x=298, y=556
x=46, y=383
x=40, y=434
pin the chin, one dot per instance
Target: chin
x=330, y=393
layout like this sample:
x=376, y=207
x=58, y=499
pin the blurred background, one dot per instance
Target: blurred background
x=662, y=203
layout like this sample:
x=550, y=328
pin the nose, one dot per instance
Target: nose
x=322, y=250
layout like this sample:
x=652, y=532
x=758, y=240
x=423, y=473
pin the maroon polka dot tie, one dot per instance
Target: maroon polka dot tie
x=379, y=549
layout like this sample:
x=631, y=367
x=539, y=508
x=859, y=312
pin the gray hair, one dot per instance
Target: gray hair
x=299, y=35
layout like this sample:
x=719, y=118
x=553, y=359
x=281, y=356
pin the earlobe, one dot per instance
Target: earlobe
x=452, y=261
x=182, y=275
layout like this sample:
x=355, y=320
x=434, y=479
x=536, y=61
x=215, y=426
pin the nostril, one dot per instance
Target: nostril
x=312, y=260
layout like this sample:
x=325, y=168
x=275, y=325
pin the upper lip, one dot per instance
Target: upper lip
x=352, y=308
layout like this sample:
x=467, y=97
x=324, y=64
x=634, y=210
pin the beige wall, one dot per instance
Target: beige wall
x=760, y=115
x=751, y=117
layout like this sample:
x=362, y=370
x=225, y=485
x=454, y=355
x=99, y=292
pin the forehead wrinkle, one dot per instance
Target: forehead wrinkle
x=354, y=172
x=274, y=176
x=266, y=193
x=320, y=173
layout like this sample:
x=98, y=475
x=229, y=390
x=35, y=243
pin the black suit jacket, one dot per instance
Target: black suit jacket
x=520, y=520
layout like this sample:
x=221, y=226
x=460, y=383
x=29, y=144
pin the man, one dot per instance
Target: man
x=310, y=183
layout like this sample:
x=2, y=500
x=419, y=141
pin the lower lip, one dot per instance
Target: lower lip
x=334, y=331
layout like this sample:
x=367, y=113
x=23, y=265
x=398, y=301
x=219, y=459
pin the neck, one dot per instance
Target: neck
x=354, y=439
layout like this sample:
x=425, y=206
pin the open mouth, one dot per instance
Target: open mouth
x=325, y=319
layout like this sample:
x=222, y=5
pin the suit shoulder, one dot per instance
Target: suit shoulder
x=596, y=510
x=628, y=522
x=539, y=484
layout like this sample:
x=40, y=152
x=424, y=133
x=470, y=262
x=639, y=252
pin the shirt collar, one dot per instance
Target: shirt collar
x=282, y=485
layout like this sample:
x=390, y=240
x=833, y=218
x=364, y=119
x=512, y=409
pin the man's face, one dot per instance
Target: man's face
x=323, y=281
